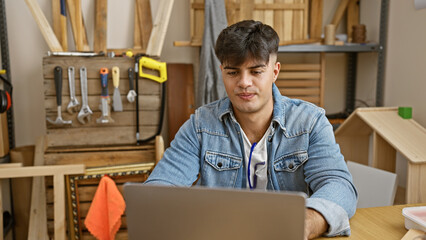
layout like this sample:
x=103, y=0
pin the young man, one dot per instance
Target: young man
x=257, y=138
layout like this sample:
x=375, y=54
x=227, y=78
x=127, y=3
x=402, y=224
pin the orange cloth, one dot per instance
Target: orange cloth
x=104, y=217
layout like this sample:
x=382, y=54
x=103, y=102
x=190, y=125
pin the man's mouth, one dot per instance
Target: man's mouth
x=246, y=96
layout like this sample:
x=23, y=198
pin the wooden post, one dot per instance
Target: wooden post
x=100, y=42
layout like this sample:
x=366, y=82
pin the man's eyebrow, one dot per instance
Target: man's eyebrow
x=252, y=67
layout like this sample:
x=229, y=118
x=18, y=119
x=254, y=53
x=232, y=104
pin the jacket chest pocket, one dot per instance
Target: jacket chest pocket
x=289, y=171
x=220, y=170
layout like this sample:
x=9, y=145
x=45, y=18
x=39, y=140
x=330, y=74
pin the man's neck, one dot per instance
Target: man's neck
x=254, y=126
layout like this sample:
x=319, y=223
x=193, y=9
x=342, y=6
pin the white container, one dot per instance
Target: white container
x=415, y=218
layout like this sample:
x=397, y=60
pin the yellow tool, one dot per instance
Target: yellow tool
x=153, y=64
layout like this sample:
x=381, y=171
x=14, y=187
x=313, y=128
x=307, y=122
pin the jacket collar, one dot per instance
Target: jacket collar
x=225, y=108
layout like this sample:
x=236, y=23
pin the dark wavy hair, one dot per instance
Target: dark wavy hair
x=246, y=39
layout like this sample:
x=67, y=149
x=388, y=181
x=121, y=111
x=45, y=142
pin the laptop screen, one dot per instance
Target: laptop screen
x=161, y=212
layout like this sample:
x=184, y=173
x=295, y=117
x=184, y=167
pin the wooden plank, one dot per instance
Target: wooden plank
x=147, y=103
x=121, y=119
x=100, y=39
x=59, y=206
x=288, y=23
x=384, y=155
x=158, y=34
x=269, y=14
x=137, y=42
x=79, y=25
x=298, y=23
x=97, y=159
x=38, y=221
x=299, y=75
x=300, y=91
x=159, y=148
x=352, y=17
x=246, y=9
x=315, y=25
x=180, y=96
x=416, y=183
x=354, y=148
x=198, y=24
x=278, y=20
x=297, y=83
x=257, y=14
x=73, y=19
x=43, y=25
x=56, y=16
x=322, y=79
x=147, y=88
x=301, y=67
x=97, y=136
x=37, y=171
x=145, y=21
x=339, y=12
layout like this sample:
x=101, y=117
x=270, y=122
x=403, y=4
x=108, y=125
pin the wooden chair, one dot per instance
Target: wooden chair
x=303, y=81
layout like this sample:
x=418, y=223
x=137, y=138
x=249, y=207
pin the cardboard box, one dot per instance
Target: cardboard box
x=4, y=136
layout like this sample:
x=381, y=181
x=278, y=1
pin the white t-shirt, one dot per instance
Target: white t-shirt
x=258, y=163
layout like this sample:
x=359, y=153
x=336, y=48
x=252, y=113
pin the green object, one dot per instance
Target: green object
x=405, y=112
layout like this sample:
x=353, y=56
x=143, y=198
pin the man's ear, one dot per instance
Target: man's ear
x=221, y=67
x=277, y=68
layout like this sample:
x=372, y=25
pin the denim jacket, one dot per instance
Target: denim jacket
x=302, y=156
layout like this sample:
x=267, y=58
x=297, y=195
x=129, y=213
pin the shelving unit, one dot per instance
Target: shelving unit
x=352, y=50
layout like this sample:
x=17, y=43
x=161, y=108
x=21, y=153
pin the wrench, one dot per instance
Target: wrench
x=73, y=104
x=85, y=111
x=132, y=94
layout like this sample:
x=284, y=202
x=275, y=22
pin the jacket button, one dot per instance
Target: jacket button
x=270, y=139
x=291, y=166
x=219, y=164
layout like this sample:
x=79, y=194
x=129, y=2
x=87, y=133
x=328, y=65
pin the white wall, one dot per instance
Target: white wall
x=406, y=55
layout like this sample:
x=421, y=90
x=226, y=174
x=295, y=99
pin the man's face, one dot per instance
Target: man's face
x=249, y=86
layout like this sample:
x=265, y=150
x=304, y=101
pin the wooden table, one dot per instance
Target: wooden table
x=378, y=223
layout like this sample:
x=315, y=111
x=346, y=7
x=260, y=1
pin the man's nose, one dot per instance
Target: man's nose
x=245, y=80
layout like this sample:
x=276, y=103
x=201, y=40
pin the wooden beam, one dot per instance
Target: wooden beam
x=73, y=20
x=79, y=25
x=352, y=17
x=315, y=26
x=100, y=42
x=137, y=42
x=38, y=221
x=158, y=34
x=339, y=12
x=246, y=9
x=43, y=24
x=145, y=21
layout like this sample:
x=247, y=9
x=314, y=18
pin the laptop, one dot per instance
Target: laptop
x=196, y=213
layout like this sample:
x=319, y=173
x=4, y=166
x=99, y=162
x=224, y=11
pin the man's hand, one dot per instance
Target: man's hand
x=315, y=224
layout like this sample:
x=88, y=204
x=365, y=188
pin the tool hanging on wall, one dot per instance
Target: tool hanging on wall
x=116, y=98
x=57, y=72
x=105, y=117
x=161, y=67
x=132, y=94
x=85, y=111
x=73, y=104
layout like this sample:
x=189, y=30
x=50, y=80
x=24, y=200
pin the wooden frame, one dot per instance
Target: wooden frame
x=303, y=81
x=81, y=189
x=391, y=133
x=58, y=172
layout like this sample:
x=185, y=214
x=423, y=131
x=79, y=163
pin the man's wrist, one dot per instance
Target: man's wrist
x=315, y=224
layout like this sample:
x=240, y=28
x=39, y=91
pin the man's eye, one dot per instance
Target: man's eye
x=257, y=72
x=233, y=73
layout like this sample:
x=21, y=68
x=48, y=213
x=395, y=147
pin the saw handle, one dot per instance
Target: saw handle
x=104, y=82
x=57, y=73
x=153, y=64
